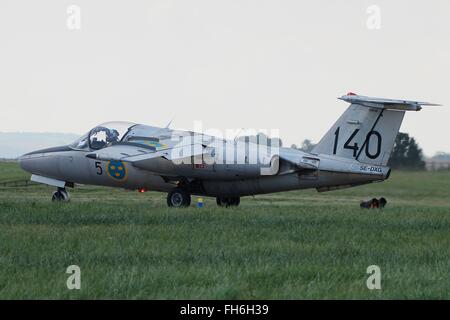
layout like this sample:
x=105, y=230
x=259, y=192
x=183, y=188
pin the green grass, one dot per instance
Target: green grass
x=10, y=171
x=292, y=245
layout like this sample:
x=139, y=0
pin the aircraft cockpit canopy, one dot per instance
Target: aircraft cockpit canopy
x=103, y=136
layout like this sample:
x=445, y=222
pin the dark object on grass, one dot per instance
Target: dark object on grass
x=374, y=203
x=383, y=202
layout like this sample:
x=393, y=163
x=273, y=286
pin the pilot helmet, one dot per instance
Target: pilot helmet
x=112, y=135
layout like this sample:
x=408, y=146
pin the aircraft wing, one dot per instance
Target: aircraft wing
x=165, y=161
x=137, y=155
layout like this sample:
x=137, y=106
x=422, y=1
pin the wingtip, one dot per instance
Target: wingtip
x=430, y=104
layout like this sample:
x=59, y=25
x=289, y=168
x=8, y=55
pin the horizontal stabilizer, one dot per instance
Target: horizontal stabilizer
x=389, y=104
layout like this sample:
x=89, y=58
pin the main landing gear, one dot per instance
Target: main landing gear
x=178, y=198
x=181, y=198
x=228, y=201
x=61, y=195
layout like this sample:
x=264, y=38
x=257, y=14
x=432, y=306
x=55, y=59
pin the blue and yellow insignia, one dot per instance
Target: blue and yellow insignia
x=154, y=144
x=117, y=170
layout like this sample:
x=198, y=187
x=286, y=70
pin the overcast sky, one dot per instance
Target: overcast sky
x=232, y=64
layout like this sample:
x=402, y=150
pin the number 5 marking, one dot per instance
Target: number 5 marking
x=98, y=165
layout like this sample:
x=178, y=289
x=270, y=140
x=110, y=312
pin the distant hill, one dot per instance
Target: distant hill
x=441, y=156
x=15, y=144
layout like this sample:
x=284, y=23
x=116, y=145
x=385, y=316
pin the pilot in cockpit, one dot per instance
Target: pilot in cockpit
x=102, y=137
x=112, y=136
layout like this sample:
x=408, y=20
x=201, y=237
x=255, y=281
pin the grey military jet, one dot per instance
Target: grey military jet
x=355, y=151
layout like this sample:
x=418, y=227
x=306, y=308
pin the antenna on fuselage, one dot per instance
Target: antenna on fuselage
x=170, y=122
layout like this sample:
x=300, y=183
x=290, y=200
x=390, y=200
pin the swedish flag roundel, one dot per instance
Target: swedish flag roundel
x=117, y=170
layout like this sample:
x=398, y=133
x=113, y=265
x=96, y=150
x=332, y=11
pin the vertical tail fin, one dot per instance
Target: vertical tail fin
x=366, y=131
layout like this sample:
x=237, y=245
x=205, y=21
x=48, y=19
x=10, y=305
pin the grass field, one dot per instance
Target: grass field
x=292, y=245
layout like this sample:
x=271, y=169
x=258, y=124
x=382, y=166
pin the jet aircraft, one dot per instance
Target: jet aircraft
x=355, y=151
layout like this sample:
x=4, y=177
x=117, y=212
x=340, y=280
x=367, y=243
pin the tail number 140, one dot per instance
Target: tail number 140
x=349, y=144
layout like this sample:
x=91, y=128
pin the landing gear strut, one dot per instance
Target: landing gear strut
x=228, y=201
x=178, y=198
x=60, y=195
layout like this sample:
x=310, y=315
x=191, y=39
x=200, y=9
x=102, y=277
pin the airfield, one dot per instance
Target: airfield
x=293, y=245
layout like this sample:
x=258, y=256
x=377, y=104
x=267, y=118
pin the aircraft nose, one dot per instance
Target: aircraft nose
x=37, y=163
x=44, y=162
x=25, y=163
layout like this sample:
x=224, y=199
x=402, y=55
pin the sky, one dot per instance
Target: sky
x=66, y=66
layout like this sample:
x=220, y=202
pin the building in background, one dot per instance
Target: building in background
x=440, y=161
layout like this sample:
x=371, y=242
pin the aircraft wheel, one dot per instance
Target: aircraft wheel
x=60, y=195
x=178, y=198
x=228, y=202
x=219, y=202
x=236, y=201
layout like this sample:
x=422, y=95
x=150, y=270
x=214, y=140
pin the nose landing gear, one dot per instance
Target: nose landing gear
x=60, y=195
